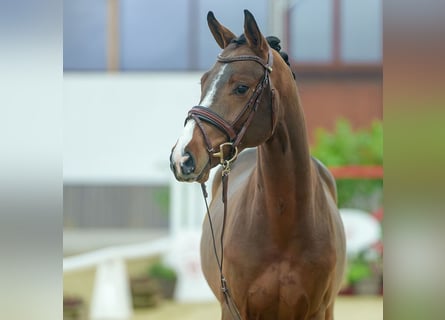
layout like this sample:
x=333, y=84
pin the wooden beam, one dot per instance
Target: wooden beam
x=357, y=172
x=336, y=32
x=113, y=35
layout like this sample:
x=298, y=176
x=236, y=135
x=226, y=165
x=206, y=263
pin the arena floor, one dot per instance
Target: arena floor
x=347, y=308
x=81, y=283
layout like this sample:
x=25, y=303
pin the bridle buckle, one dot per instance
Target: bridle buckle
x=226, y=163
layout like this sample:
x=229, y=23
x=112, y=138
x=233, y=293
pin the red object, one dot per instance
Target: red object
x=357, y=172
x=378, y=214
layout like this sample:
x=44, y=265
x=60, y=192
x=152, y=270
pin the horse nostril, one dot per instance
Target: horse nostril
x=188, y=166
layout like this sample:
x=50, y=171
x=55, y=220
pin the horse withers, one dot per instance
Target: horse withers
x=283, y=243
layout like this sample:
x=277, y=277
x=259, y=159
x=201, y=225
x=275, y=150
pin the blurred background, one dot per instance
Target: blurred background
x=131, y=73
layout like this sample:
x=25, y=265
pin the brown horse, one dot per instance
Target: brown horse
x=284, y=243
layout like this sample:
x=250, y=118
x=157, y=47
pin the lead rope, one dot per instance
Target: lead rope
x=224, y=288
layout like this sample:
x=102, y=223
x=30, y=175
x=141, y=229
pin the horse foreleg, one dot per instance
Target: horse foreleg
x=225, y=312
x=231, y=314
x=329, y=313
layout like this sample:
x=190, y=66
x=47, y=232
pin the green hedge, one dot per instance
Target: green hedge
x=345, y=146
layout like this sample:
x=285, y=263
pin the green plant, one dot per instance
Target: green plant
x=345, y=146
x=159, y=270
x=165, y=278
x=365, y=271
x=358, y=269
x=162, y=198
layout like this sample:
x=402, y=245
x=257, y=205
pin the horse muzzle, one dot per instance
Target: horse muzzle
x=185, y=169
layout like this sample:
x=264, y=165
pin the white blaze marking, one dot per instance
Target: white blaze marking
x=183, y=141
x=187, y=134
x=210, y=94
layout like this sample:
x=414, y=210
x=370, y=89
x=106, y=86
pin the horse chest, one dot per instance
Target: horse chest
x=269, y=282
x=277, y=290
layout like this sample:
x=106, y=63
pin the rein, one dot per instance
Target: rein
x=200, y=114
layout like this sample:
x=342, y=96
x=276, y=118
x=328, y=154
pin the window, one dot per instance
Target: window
x=311, y=39
x=153, y=36
x=361, y=31
x=84, y=35
x=336, y=32
x=150, y=35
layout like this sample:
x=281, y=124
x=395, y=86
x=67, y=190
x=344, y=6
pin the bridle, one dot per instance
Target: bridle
x=202, y=114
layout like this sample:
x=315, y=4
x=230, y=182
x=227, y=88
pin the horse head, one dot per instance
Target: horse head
x=238, y=105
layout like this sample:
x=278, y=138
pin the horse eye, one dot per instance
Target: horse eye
x=241, y=89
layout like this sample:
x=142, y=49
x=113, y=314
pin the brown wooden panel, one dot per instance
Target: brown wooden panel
x=328, y=96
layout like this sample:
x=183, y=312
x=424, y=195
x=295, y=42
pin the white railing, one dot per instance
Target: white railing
x=127, y=252
x=111, y=298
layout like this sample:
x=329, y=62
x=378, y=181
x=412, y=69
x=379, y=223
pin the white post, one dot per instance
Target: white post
x=187, y=207
x=111, y=294
x=176, y=203
x=190, y=204
x=277, y=9
x=187, y=214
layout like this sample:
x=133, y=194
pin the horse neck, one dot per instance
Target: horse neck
x=285, y=170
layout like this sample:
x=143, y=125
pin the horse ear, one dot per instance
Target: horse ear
x=222, y=35
x=254, y=37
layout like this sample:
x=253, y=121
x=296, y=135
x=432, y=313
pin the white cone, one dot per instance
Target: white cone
x=111, y=294
x=184, y=257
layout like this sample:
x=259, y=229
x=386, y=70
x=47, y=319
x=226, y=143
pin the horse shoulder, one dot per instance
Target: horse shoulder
x=326, y=177
x=334, y=256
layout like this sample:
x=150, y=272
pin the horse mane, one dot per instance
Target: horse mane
x=274, y=43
